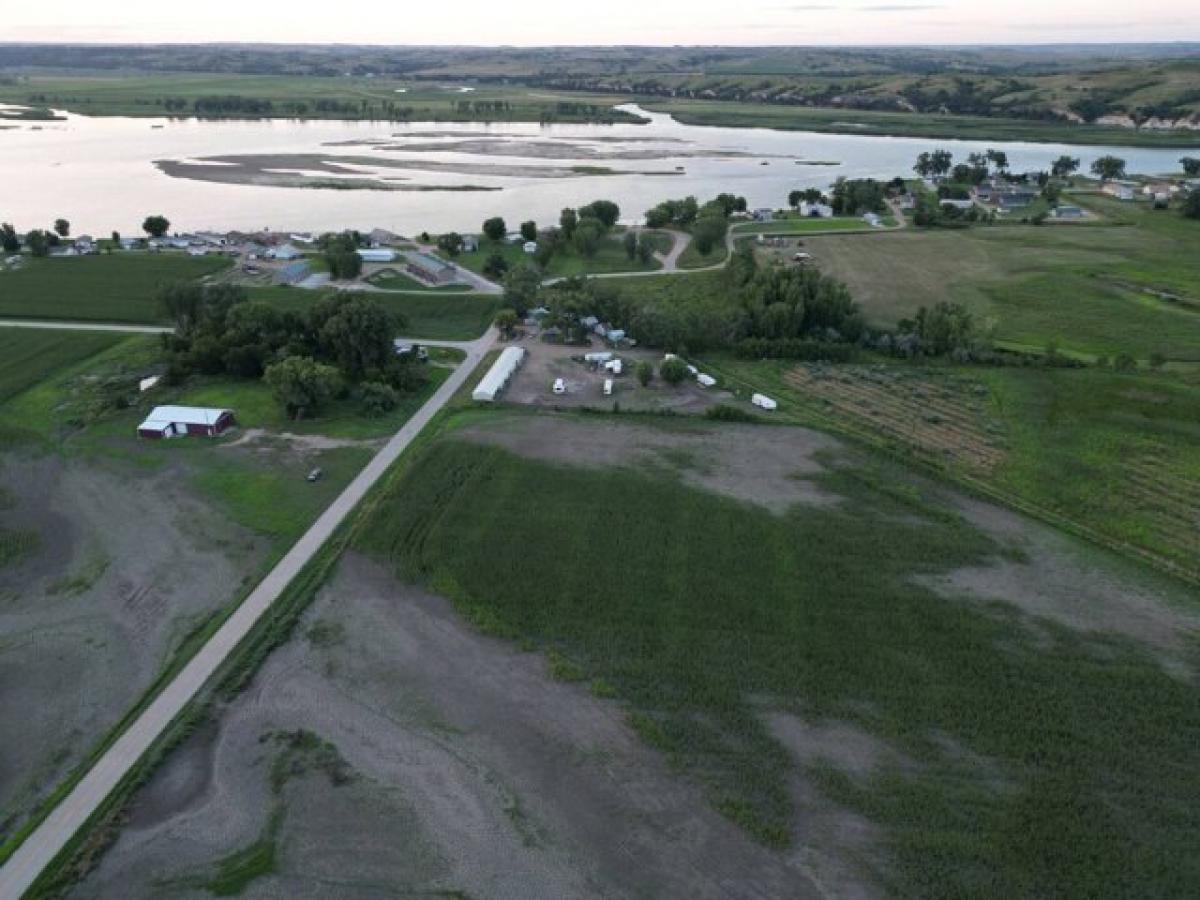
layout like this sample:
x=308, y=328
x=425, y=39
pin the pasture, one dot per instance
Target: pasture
x=118, y=287
x=1093, y=290
x=702, y=615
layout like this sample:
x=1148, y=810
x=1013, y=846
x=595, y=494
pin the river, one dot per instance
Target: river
x=101, y=173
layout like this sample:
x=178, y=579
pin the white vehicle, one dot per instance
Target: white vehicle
x=599, y=358
x=560, y=386
x=705, y=380
x=762, y=401
x=608, y=387
x=693, y=371
x=614, y=366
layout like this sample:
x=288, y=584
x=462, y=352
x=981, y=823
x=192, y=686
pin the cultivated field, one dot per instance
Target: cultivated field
x=109, y=288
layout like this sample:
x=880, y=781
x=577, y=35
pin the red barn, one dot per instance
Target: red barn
x=184, y=421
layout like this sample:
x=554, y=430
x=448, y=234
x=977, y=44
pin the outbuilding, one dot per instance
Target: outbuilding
x=431, y=269
x=185, y=421
x=377, y=255
x=498, y=375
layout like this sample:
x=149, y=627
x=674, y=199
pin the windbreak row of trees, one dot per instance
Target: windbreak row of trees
x=340, y=347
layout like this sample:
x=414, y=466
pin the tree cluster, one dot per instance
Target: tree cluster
x=854, y=196
x=340, y=346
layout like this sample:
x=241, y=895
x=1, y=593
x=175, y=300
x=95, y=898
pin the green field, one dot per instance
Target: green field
x=798, y=225
x=29, y=356
x=1082, y=286
x=733, y=114
x=305, y=96
x=120, y=287
x=610, y=257
x=436, y=316
x=705, y=610
x=395, y=280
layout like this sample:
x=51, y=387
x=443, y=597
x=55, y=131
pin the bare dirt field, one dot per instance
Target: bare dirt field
x=440, y=762
x=125, y=565
x=472, y=771
x=533, y=383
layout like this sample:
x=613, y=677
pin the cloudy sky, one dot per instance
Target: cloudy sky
x=540, y=22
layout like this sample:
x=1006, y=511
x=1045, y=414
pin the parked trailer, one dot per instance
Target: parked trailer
x=762, y=401
x=598, y=358
x=705, y=380
x=498, y=375
x=608, y=387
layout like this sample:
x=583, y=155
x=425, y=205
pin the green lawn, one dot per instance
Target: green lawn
x=610, y=257
x=395, y=280
x=798, y=225
x=705, y=610
x=108, y=288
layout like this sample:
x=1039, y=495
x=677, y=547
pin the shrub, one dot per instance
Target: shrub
x=673, y=370
x=376, y=398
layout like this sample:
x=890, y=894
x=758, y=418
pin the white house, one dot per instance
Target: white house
x=816, y=210
x=530, y=247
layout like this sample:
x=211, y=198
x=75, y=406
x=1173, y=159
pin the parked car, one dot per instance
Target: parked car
x=560, y=386
x=315, y=475
x=608, y=387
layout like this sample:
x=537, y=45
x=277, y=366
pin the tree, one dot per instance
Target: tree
x=942, y=161
x=506, y=321
x=376, y=398
x=116, y=239
x=156, y=226
x=605, y=211
x=567, y=222
x=344, y=265
x=302, y=384
x=62, y=227
x=645, y=249
x=794, y=198
x=1106, y=168
x=495, y=266
x=708, y=232
x=494, y=229
x=588, y=235
x=644, y=372
x=1191, y=166
x=38, y=242
x=529, y=230
x=673, y=370
x=1064, y=166
x=630, y=242
x=521, y=287
x=9, y=241
x=998, y=158
x=355, y=331
x=1191, y=205
x=451, y=243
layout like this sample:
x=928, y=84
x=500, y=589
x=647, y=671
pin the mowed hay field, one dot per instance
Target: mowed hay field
x=703, y=615
x=1082, y=286
x=120, y=287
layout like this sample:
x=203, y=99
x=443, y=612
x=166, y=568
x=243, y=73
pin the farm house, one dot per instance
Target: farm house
x=185, y=421
x=498, y=375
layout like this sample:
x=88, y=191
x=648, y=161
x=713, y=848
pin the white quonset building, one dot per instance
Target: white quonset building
x=377, y=255
x=499, y=374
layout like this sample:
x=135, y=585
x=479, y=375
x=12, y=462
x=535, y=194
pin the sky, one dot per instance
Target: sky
x=653, y=22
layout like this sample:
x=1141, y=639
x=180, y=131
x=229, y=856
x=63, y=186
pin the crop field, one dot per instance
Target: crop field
x=1112, y=454
x=28, y=357
x=943, y=413
x=109, y=288
x=1013, y=780
x=1094, y=290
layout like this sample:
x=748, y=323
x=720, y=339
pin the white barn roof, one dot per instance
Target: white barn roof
x=497, y=376
x=162, y=416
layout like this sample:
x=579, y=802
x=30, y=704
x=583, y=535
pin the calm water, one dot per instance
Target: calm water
x=99, y=172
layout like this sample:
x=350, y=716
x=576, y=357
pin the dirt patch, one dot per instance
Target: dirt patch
x=304, y=443
x=533, y=383
x=474, y=772
x=1058, y=577
x=126, y=566
x=765, y=465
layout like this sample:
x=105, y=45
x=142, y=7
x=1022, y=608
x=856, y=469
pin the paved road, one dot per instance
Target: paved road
x=40, y=848
x=48, y=325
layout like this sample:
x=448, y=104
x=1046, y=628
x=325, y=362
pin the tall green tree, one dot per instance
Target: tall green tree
x=62, y=227
x=451, y=243
x=605, y=211
x=302, y=384
x=522, y=284
x=38, y=242
x=156, y=226
x=494, y=229
x=567, y=222
x=630, y=242
x=1064, y=166
x=529, y=230
x=1191, y=166
x=1191, y=204
x=588, y=236
x=9, y=241
x=1108, y=168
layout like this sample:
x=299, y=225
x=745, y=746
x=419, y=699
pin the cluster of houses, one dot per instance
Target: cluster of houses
x=1160, y=193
